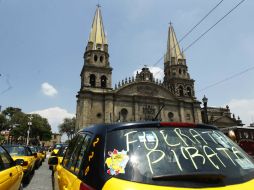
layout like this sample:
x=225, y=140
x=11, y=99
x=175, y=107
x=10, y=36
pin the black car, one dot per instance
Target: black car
x=153, y=155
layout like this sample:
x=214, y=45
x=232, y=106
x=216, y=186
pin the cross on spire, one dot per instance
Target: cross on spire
x=98, y=5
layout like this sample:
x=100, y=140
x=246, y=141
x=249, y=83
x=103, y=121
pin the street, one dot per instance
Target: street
x=41, y=179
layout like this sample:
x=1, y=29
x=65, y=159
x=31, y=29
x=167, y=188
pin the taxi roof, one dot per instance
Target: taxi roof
x=103, y=128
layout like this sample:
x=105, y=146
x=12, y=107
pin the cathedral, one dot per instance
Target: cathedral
x=138, y=98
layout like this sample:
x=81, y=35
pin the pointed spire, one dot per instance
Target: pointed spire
x=173, y=48
x=97, y=35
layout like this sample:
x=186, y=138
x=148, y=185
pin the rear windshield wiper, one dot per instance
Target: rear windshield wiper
x=201, y=176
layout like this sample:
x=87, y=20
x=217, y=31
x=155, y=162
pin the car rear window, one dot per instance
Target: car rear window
x=16, y=150
x=165, y=155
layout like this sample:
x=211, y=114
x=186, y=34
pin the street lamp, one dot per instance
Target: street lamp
x=29, y=123
x=205, y=100
x=8, y=117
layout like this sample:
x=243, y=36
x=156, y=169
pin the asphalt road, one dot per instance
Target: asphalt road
x=41, y=179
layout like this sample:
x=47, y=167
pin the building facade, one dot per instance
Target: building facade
x=136, y=98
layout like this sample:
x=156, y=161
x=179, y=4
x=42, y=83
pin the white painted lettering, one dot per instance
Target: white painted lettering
x=150, y=162
x=192, y=155
x=128, y=140
x=165, y=136
x=211, y=155
x=197, y=135
x=181, y=135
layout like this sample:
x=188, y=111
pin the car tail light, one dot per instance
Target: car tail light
x=175, y=124
x=84, y=186
x=25, y=163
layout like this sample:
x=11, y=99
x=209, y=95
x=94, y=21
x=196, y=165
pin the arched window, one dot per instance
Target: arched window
x=181, y=90
x=92, y=80
x=170, y=116
x=95, y=58
x=124, y=113
x=101, y=58
x=189, y=91
x=103, y=81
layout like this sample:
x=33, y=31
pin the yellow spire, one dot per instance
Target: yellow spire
x=173, y=48
x=97, y=35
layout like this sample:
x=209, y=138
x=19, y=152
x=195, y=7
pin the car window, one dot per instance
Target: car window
x=16, y=150
x=69, y=151
x=5, y=159
x=62, y=151
x=83, y=151
x=92, y=163
x=143, y=154
x=74, y=157
x=33, y=149
x=28, y=151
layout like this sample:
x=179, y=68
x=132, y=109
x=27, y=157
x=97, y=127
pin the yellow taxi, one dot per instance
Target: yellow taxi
x=56, y=149
x=23, y=152
x=11, y=173
x=43, y=152
x=59, y=156
x=38, y=155
x=152, y=156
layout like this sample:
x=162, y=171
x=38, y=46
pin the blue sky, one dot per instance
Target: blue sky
x=42, y=45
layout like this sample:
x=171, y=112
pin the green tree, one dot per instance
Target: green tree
x=68, y=127
x=3, y=122
x=17, y=123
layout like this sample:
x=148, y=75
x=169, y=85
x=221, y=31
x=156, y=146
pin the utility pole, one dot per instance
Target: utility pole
x=29, y=128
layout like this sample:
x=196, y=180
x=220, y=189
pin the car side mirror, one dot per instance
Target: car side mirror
x=53, y=160
x=19, y=162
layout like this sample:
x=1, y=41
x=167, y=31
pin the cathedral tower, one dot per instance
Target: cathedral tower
x=177, y=78
x=96, y=72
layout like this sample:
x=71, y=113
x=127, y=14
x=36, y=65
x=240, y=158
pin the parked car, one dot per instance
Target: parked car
x=11, y=173
x=243, y=136
x=38, y=156
x=56, y=148
x=43, y=151
x=23, y=152
x=60, y=155
x=153, y=155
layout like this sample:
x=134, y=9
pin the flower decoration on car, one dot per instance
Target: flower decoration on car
x=116, y=162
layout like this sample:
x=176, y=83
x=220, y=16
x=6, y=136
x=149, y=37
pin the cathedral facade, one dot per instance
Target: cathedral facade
x=136, y=98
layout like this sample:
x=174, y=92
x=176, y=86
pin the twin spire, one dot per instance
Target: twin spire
x=98, y=39
x=173, y=48
x=97, y=35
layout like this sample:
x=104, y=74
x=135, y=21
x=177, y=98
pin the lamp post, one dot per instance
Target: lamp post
x=29, y=123
x=8, y=117
x=205, y=100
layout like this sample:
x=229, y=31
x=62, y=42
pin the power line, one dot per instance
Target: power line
x=227, y=78
x=200, y=21
x=192, y=29
x=212, y=26
x=209, y=29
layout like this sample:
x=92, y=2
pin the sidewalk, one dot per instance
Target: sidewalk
x=41, y=179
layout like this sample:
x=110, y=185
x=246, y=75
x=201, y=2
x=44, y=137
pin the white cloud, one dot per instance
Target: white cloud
x=48, y=89
x=243, y=108
x=55, y=116
x=158, y=73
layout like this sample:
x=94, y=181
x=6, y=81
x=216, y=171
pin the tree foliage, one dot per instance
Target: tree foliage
x=16, y=122
x=68, y=127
